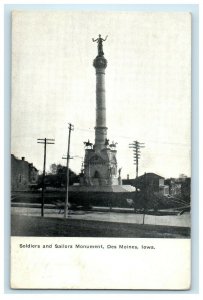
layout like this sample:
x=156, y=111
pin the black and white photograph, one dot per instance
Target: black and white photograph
x=101, y=137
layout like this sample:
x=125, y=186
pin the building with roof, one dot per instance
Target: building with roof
x=152, y=181
x=23, y=174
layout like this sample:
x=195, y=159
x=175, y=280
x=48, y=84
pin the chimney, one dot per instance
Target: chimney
x=23, y=158
x=127, y=176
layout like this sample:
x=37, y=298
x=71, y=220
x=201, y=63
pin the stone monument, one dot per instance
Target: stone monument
x=100, y=163
x=100, y=171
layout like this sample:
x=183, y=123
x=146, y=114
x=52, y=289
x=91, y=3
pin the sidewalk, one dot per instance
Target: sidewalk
x=116, y=215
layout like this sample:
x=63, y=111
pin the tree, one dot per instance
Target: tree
x=59, y=177
x=53, y=168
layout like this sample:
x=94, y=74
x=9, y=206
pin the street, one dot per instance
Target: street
x=116, y=214
x=91, y=224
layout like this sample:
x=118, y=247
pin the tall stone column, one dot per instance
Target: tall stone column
x=100, y=64
x=100, y=164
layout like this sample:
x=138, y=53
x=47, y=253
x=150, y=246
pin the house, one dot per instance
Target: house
x=151, y=181
x=174, y=186
x=182, y=178
x=186, y=189
x=23, y=174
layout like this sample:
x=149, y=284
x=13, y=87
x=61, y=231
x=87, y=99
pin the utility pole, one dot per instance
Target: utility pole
x=46, y=142
x=136, y=153
x=70, y=128
x=145, y=197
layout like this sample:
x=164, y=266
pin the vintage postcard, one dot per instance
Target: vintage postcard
x=101, y=150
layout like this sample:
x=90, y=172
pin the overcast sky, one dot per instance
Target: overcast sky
x=148, y=86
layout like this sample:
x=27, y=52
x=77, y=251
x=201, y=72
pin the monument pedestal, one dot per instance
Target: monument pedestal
x=125, y=189
x=100, y=167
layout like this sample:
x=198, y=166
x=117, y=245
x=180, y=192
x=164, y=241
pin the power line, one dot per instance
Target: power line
x=123, y=137
x=130, y=137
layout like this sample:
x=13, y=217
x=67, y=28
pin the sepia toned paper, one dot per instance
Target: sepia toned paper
x=148, y=98
x=113, y=266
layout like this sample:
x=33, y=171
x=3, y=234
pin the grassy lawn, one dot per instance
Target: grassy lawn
x=55, y=227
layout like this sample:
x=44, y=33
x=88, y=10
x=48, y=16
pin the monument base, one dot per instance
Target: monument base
x=101, y=196
x=97, y=188
x=100, y=168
